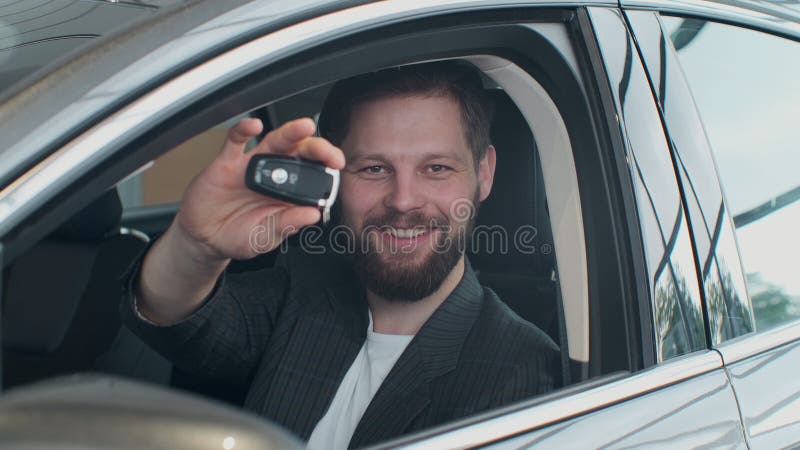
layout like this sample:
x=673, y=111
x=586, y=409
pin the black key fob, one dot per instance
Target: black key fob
x=294, y=180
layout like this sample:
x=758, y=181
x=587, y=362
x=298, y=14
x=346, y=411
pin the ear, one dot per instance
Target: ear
x=486, y=172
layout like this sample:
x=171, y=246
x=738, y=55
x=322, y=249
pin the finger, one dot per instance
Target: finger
x=294, y=218
x=319, y=149
x=240, y=134
x=277, y=223
x=286, y=137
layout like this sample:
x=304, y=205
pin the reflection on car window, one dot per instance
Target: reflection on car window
x=745, y=86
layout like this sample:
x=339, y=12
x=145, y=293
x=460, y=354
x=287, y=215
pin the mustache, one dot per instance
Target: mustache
x=413, y=219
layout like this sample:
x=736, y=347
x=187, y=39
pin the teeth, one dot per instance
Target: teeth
x=406, y=233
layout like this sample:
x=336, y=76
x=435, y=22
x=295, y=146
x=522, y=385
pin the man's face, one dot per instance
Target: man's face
x=409, y=192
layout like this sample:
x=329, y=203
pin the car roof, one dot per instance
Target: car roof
x=105, y=74
x=34, y=34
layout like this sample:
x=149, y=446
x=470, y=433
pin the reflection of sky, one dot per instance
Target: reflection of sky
x=771, y=246
x=747, y=87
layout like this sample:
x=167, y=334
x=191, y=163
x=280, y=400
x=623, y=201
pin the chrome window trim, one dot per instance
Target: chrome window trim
x=549, y=412
x=752, y=344
x=54, y=173
x=714, y=10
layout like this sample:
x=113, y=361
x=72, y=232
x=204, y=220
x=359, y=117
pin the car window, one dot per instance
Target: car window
x=512, y=249
x=164, y=181
x=745, y=85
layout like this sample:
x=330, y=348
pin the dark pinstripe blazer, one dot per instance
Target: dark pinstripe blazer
x=290, y=333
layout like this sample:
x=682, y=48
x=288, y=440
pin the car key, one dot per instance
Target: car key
x=295, y=180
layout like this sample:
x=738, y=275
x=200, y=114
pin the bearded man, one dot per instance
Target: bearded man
x=347, y=350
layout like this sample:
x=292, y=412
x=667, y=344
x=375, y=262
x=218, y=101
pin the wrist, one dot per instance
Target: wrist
x=201, y=254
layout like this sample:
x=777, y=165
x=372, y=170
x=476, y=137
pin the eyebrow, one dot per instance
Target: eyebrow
x=424, y=157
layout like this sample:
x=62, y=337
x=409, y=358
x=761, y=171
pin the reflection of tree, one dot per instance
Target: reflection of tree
x=773, y=306
x=730, y=310
x=679, y=320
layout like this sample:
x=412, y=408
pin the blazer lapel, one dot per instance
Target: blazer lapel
x=327, y=336
x=433, y=352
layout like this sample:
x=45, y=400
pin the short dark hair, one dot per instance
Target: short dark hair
x=451, y=79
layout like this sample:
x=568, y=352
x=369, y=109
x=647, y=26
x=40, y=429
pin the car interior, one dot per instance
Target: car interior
x=84, y=333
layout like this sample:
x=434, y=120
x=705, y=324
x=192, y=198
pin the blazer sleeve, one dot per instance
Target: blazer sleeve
x=539, y=375
x=226, y=336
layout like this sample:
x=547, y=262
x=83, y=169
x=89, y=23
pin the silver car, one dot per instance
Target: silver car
x=645, y=211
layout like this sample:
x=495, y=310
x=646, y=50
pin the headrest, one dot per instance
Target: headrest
x=94, y=221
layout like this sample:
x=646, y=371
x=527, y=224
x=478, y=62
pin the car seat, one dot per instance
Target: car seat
x=523, y=273
x=61, y=302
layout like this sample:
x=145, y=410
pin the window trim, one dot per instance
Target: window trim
x=749, y=345
x=759, y=17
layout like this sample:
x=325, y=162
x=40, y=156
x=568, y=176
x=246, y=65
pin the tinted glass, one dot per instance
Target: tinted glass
x=675, y=291
x=745, y=84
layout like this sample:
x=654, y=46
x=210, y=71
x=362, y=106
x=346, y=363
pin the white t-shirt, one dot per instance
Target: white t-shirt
x=360, y=383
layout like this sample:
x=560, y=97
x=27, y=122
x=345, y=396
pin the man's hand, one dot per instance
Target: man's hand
x=219, y=213
x=219, y=216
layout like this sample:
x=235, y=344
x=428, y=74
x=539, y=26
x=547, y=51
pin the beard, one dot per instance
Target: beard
x=398, y=274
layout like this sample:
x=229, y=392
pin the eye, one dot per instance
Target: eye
x=374, y=170
x=438, y=168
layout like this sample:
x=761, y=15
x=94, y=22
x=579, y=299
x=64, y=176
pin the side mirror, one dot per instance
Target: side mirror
x=97, y=411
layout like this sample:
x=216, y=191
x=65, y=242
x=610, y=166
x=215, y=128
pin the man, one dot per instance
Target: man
x=350, y=350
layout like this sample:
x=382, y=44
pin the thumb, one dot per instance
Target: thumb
x=239, y=135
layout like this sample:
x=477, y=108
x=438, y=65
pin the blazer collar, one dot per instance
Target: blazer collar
x=433, y=352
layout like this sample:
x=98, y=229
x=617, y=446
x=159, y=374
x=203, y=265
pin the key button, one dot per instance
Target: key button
x=279, y=176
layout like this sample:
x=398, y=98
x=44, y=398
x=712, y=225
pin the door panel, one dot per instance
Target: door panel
x=699, y=412
x=768, y=390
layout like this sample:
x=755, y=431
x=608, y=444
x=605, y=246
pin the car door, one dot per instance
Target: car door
x=743, y=96
x=634, y=342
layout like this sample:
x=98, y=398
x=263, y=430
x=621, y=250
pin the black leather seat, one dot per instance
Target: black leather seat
x=522, y=271
x=61, y=302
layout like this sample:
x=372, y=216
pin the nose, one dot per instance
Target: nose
x=405, y=194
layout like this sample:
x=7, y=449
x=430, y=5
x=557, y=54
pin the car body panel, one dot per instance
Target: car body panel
x=761, y=368
x=769, y=396
x=573, y=416
x=686, y=415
